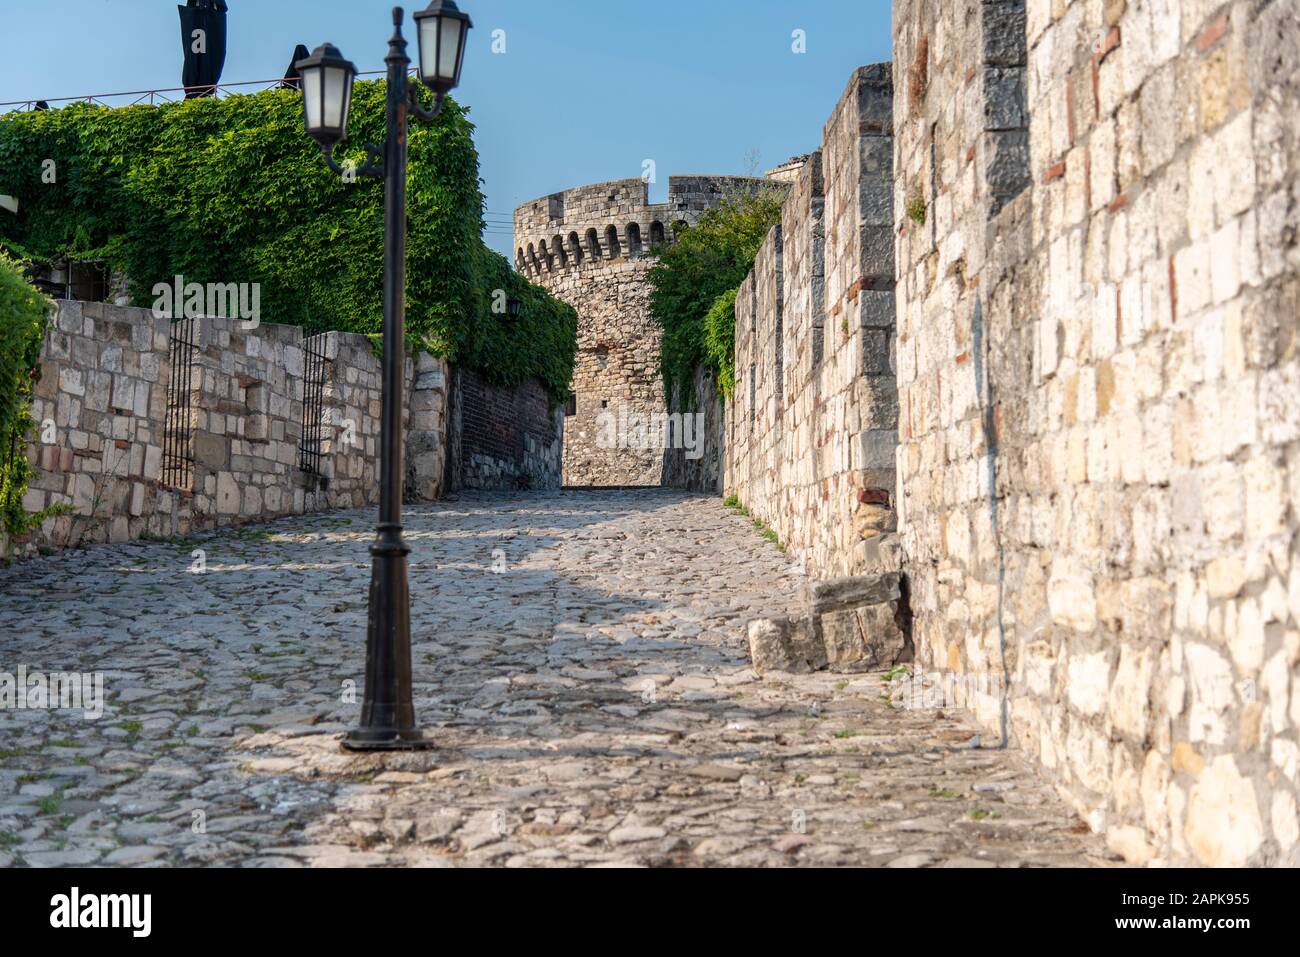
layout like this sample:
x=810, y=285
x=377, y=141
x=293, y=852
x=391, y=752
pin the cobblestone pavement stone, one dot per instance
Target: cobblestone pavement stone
x=580, y=657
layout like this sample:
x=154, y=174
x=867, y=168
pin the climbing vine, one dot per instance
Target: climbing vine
x=24, y=314
x=232, y=190
x=720, y=340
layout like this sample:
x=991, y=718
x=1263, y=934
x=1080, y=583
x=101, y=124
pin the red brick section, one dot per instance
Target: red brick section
x=1054, y=172
x=861, y=283
x=1108, y=45
x=495, y=420
x=1087, y=180
x=1103, y=50
x=1212, y=34
x=1069, y=105
x=1119, y=315
x=1118, y=203
x=873, y=496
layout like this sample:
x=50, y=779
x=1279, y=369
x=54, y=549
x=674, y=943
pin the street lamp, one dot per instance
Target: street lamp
x=441, y=29
x=387, y=710
x=514, y=305
x=326, y=94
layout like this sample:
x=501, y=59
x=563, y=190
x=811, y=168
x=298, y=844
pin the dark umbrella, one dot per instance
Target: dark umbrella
x=292, y=80
x=203, y=69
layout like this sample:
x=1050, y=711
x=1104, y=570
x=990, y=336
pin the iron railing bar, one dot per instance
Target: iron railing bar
x=226, y=87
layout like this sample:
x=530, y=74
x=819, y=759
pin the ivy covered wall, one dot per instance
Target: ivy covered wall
x=233, y=190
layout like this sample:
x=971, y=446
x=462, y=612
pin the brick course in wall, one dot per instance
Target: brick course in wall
x=508, y=438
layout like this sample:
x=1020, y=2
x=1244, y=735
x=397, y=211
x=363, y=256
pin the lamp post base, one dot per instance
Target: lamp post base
x=386, y=739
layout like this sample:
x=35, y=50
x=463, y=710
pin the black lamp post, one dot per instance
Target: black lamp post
x=514, y=305
x=387, y=711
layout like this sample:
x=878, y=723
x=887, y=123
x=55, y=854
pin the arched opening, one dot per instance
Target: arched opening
x=557, y=246
x=633, y=239
x=611, y=242
x=575, y=249
x=593, y=244
x=656, y=234
x=546, y=255
x=520, y=262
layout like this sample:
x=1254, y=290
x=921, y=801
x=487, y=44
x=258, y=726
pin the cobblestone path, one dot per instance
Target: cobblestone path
x=580, y=657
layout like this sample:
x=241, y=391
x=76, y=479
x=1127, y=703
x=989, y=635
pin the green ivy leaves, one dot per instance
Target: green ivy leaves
x=23, y=317
x=233, y=190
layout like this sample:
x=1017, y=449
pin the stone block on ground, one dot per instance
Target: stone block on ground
x=853, y=625
x=785, y=644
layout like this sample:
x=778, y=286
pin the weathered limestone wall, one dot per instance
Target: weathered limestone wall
x=246, y=416
x=811, y=428
x=99, y=408
x=428, y=423
x=350, y=421
x=1099, y=458
x=592, y=247
x=102, y=406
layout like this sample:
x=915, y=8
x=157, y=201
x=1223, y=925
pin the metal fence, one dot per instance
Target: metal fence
x=178, y=445
x=313, y=394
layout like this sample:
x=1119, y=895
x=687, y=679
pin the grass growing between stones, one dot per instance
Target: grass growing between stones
x=764, y=530
x=916, y=209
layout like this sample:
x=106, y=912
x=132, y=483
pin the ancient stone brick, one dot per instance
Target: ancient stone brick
x=840, y=593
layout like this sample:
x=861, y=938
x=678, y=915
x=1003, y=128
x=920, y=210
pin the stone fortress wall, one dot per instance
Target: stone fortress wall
x=149, y=427
x=1093, y=370
x=812, y=425
x=1099, y=457
x=592, y=246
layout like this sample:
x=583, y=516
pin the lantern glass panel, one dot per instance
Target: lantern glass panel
x=311, y=98
x=337, y=94
x=449, y=48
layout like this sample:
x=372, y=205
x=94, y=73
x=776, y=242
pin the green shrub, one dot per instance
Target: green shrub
x=24, y=314
x=233, y=190
x=707, y=260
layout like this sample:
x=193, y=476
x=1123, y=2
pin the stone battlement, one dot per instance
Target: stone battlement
x=592, y=246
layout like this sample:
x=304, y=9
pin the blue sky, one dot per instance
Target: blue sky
x=587, y=90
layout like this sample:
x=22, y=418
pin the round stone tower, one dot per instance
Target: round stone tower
x=592, y=246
